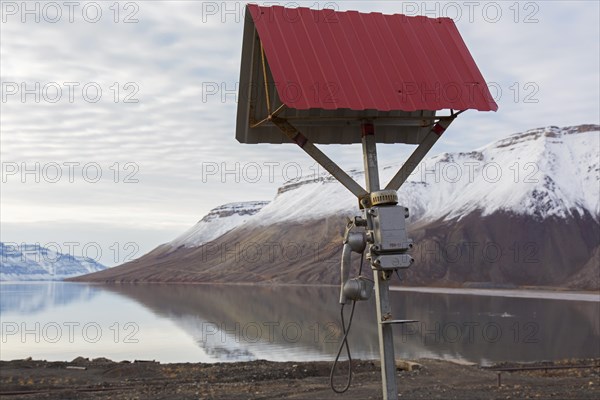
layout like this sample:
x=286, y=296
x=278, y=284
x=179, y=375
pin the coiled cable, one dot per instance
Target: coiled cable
x=344, y=343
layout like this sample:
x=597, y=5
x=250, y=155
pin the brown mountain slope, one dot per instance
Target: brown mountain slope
x=504, y=249
x=496, y=249
x=588, y=277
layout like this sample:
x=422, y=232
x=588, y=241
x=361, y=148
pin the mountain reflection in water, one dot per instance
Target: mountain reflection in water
x=220, y=323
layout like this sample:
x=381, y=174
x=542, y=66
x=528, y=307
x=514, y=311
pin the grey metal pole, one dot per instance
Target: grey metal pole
x=382, y=288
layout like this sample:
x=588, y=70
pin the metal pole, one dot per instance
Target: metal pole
x=382, y=288
x=370, y=160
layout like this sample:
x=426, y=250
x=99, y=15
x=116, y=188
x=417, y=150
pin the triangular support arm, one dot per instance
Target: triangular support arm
x=293, y=134
x=420, y=152
x=407, y=168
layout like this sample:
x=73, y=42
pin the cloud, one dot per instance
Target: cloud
x=166, y=59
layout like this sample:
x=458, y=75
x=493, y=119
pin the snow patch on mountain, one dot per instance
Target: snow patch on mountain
x=32, y=262
x=544, y=172
x=217, y=222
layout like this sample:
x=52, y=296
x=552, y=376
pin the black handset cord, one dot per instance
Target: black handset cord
x=346, y=331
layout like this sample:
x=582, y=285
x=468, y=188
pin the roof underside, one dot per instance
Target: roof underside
x=349, y=60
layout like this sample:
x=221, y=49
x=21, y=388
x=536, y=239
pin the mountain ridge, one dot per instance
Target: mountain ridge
x=27, y=262
x=534, y=193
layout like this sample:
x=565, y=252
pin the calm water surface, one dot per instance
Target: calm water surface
x=201, y=323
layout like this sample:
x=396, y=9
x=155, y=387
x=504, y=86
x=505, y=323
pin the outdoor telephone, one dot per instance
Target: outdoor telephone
x=385, y=238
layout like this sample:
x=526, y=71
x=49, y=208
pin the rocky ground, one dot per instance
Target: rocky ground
x=429, y=379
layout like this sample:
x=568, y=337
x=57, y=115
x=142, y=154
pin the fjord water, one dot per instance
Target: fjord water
x=215, y=323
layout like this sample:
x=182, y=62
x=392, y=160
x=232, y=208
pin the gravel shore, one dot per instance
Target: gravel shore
x=428, y=379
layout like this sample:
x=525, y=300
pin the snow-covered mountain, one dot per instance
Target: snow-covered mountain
x=217, y=222
x=543, y=172
x=523, y=210
x=32, y=262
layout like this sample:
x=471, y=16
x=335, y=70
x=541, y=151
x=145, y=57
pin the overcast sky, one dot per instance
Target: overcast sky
x=143, y=160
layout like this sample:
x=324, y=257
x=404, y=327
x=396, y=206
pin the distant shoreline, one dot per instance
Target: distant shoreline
x=537, y=292
x=529, y=293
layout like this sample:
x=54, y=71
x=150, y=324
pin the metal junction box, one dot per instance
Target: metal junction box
x=389, y=228
x=388, y=237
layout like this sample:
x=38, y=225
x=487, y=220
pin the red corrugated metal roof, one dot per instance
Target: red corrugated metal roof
x=332, y=60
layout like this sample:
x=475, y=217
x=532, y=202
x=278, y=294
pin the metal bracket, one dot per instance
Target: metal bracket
x=399, y=321
x=420, y=152
x=294, y=135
